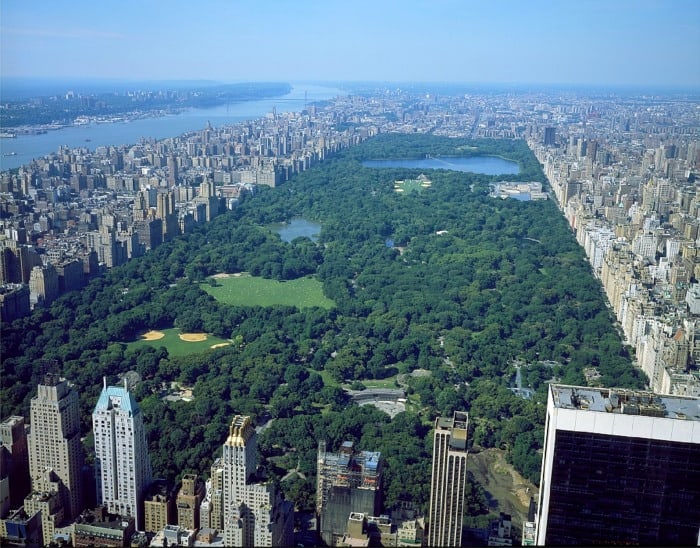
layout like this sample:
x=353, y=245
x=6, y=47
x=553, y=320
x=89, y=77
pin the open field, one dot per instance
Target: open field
x=247, y=290
x=411, y=185
x=381, y=383
x=178, y=343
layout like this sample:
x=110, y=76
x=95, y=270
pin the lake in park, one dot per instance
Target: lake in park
x=298, y=228
x=487, y=165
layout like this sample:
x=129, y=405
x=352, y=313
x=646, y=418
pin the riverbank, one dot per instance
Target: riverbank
x=22, y=149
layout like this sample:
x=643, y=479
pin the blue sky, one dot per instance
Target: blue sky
x=614, y=42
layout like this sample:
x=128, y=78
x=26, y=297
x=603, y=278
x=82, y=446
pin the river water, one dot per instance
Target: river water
x=23, y=148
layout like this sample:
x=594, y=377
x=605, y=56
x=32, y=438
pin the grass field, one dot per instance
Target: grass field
x=411, y=185
x=176, y=346
x=381, y=383
x=247, y=290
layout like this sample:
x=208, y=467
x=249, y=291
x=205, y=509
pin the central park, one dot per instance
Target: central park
x=470, y=286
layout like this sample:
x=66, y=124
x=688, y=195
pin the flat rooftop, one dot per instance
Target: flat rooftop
x=625, y=401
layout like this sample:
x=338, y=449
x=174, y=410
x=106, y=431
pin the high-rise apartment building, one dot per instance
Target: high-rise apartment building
x=211, y=511
x=619, y=467
x=54, y=440
x=448, y=481
x=254, y=513
x=189, y=499
x=43, y=284
x=14, y=464
x=348, y=482
x=122, y=464
x=550, y=136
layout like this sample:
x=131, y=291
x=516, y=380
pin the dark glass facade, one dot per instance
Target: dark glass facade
x=618, y=490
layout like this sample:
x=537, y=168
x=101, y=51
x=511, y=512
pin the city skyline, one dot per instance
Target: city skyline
x=588, y=43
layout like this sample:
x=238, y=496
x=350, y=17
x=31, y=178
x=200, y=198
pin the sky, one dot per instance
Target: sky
x=593, y=42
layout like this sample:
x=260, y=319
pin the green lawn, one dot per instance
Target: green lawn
x=178, y=347
x=381, y=383
x=410, y=185
x=247, y=290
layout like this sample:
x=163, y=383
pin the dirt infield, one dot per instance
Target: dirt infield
x=220, y=345
x=153, y=335
x=193, y=337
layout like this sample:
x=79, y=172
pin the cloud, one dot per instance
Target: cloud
x=77, y=34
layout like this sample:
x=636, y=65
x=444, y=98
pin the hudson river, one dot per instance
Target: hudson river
x=28, y=147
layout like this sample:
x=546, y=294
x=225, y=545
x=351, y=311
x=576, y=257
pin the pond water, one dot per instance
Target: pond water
x=487, y=165
x=298, y=228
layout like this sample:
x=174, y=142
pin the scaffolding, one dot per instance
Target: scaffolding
x=346, y=468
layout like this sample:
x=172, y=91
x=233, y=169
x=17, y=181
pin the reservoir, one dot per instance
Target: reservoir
x=486, y=165
x=24, y=148
x=298, y=228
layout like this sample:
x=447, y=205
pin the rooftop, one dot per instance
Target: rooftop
x=626, y=402
x=117, y=397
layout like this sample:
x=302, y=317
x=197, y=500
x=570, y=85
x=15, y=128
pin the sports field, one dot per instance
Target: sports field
x=178, y=343
x=246, y=290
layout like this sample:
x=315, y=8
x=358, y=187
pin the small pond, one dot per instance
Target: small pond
x=298, y=227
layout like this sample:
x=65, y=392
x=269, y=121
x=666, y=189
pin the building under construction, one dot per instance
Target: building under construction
x=348, y=481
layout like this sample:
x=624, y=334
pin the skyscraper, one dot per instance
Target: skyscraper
x=550, y=136
x=122, y=465
x=619, y=467
x=254, y=513
x=448, y=481
x=54, y=440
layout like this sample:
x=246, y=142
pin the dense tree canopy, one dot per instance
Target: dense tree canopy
x=470, y=284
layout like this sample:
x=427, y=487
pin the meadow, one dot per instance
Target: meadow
x=247, y=290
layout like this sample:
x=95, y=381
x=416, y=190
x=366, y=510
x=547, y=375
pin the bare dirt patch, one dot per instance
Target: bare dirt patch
x=193, y=337
x=153, y=336
x=509, y=492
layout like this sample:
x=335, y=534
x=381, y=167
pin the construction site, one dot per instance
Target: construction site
x=348, y=481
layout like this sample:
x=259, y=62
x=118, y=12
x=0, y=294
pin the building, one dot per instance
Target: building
x=254, y=513
x=14, y=463
x=619, y=466
x=348, y=482
x=14, y=302
x=158, y=507
x=100, y=528
x=70, y=275
x=43, y=284
x=175, y=535
x=48, y=505
x=501, y=531
x=54, y=440
x=529, y=534
x=20, y=528
x=550, y=136
x=211, y=513
x=410, y=533
x=188, y=501
x=448, y=480
x=122, y=464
